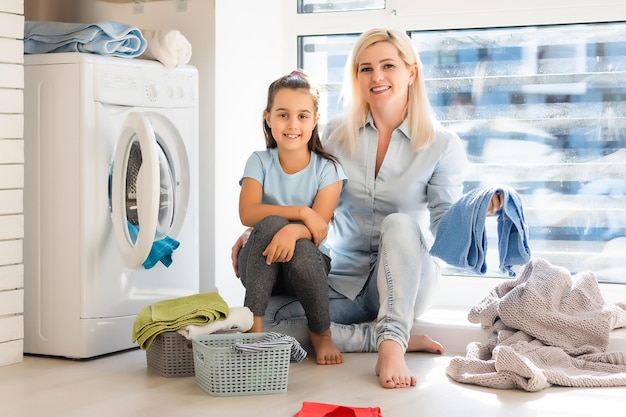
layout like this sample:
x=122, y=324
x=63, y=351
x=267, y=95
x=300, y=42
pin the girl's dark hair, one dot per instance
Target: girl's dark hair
x=296, y=80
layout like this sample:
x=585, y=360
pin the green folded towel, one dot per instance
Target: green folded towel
x=173, y=314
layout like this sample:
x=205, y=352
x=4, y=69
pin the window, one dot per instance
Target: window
x=539, y=108
x=321, y=6
x=324, y=59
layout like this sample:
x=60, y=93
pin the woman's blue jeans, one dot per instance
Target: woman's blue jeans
x=402, y=285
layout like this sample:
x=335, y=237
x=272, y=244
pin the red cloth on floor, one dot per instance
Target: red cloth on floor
x=310, y=409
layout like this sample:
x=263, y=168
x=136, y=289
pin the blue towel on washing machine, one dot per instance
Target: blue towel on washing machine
x=161, y=249
x=103, y=38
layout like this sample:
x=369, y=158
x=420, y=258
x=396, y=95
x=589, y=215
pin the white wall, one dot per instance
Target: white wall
x=250, y=41
x=51, y=10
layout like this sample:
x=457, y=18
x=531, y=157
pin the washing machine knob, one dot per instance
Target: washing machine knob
x=170, y=91
x=152, y=92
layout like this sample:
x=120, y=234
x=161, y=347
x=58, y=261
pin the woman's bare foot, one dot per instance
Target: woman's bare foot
x=325, y=350
x=423, y=343
x=391, y=367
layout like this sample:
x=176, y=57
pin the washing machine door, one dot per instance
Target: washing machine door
x=142, y=191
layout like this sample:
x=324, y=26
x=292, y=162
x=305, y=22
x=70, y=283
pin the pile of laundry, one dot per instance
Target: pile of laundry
x=108, y=38
x=545, y=327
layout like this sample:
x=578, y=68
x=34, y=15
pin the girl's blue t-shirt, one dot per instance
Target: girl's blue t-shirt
x=299, y=189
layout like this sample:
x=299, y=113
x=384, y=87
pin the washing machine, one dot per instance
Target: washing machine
x=111, y=187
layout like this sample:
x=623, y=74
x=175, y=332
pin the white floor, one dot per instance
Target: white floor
x=120, y=385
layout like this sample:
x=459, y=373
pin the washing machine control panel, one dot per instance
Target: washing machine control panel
x=145, y=86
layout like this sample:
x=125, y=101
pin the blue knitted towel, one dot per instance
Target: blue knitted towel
x=103, y=38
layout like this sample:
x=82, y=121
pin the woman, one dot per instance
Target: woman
x=404, y=172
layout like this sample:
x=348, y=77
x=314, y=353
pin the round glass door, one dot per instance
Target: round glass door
x=142, y=191
x=167, y=194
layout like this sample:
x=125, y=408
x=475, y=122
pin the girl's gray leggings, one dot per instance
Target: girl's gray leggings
x=305, y=276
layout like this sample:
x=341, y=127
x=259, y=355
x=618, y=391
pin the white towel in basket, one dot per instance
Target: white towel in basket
x=273, y=339
x=239, y=319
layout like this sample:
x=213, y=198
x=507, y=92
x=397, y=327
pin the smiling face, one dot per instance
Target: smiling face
x=384, y=77
x=292, y=118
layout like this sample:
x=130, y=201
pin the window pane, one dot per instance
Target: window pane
x=324, y=59
x=321, y=6
x=542, y=109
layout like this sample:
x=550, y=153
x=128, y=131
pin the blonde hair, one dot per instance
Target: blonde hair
x=420, y=116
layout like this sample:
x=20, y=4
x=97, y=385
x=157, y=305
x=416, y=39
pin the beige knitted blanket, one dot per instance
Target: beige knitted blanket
x=546, y=327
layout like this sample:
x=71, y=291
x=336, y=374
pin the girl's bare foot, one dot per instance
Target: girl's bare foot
x=257, y=325
x=423, y=343
x=391, y=367
x=325, y=350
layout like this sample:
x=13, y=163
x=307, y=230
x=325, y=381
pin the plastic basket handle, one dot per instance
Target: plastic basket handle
x=199, y=356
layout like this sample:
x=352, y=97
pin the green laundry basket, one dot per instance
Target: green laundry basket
x=221, y=370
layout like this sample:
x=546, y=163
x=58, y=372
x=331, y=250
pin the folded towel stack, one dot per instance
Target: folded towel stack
x=169, y=47
x=174, y=314
x=103, y=38
x=461, y=238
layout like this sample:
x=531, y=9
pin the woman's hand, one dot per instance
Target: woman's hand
x=495, y=204
x=316, y=225
x=282, y=246
x=234, y=253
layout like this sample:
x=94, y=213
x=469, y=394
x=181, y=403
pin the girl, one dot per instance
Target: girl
x=288, y=195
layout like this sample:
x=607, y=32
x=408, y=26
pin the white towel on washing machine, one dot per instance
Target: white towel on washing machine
x=169, y=47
